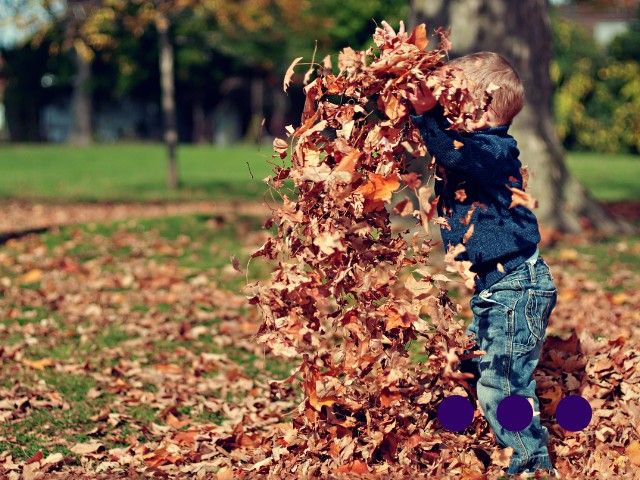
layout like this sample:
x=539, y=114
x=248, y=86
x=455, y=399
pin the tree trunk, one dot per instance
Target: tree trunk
x=81, y=101
x=167, y=86
x=521, y=32
x=278, y=119
x=201, y=132
x=254, y=132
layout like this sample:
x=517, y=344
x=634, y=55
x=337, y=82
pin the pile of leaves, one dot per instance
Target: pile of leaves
x=347, y=296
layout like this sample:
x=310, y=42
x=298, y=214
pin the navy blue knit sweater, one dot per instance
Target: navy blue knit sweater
x=483, y=166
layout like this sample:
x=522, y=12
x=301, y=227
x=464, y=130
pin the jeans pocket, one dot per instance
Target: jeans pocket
x=537, y=311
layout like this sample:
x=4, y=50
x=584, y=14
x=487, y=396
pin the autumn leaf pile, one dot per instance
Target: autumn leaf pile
x=347, y=295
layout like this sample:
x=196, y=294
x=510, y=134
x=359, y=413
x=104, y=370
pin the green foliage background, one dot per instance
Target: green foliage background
x=597, y=98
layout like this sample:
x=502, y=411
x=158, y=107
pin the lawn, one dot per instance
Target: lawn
x=128, y=346
x=130, y=172
x=137, y=172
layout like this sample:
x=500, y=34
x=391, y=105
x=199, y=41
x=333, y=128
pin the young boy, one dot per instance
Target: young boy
x=514, y=292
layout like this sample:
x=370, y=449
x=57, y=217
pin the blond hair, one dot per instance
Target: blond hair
x=486, y=68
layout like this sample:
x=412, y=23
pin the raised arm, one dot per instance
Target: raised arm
x=471, y=155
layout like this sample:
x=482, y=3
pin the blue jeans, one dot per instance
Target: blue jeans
x=510, y=319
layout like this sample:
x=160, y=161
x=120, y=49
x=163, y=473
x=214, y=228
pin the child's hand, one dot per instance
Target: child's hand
x=422, y=99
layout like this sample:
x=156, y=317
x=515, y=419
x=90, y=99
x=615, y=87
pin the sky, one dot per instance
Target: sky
x=10, y=30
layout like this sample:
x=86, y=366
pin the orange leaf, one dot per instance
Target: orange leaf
x=387, y=397
x=160, y=457
x=176, y=422
x=419, y=37
x=169, y=368
x=317, y=403
x=348, y=162
x=186, y=438
x=31, y=276
x=289, y=73
x=357, y=466
x=461, y=195
x=457, y=145
x=378, y=187
x=633, y=452
x=39, y=364
x=520, y=197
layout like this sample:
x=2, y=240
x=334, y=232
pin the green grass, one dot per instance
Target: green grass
x=130, y=172
x=609, y=177
x=135, y=171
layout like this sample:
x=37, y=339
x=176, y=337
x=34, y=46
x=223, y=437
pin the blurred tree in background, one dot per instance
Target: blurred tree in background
x=597, y=97
x=191, y=54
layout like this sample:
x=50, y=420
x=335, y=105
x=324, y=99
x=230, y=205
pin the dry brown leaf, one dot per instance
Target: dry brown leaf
x=289, y=73
x=520, y=197
x=87, y=448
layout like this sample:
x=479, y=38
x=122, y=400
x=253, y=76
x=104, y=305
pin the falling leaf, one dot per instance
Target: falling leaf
x=419, y=37
x=404, y=207
x=318, y=403
x=457, y=144
x=289, y=73
x=412, y=180
x=280, y=146
x=236, y=264
x=328, y=242
x=378, y=187
x=520, y=197
x=461, y=195
x=468, y=234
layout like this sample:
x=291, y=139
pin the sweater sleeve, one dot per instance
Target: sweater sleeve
x=475, y=156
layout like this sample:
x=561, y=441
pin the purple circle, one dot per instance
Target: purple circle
x=573, y=413
x=515, y=413
x=455, y=413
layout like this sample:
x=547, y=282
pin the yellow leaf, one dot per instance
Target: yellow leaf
x=633, y=452
x=31, y=276
x=225, y=473
x=39, y=364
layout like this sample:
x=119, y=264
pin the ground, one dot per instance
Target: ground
x=127, y=347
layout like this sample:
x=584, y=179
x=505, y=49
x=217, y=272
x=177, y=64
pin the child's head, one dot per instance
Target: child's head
x=485, y=68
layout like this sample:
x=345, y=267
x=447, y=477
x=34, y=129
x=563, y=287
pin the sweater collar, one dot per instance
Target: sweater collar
x=497, y=130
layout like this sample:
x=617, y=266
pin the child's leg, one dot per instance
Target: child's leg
x=512, y=317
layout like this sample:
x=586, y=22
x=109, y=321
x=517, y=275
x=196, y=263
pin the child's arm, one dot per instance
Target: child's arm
x=473, y=156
